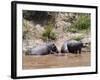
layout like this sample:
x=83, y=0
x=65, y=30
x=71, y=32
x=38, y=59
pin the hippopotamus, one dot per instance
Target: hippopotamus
x=44, y=49
x=72, y=46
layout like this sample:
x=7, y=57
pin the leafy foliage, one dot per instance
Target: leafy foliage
x=82, y=23
x=49, y=34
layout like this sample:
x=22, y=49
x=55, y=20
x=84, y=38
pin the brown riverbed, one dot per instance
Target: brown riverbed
x=55, y=61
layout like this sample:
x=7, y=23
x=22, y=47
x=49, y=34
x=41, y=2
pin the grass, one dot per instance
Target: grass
x=48, y=33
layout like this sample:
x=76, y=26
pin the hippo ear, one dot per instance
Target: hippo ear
x=53, y=44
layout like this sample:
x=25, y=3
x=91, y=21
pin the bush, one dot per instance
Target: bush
x=48, y=34
x=78, y=38
x=81, y=23
x=73, y=30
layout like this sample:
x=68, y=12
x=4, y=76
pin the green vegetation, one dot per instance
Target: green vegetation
x=81, y=23
x=78, y=38
x=49, y=34
x=73, y=30
x=50, y=21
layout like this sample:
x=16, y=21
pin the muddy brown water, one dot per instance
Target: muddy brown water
x=56, y=61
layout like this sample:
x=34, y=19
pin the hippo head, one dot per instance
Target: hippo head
x=53, y=49
x=85, y=45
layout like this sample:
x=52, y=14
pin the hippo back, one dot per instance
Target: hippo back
x=74, y=45
x=39, y=50
x=43, y=49
x=71, y=46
